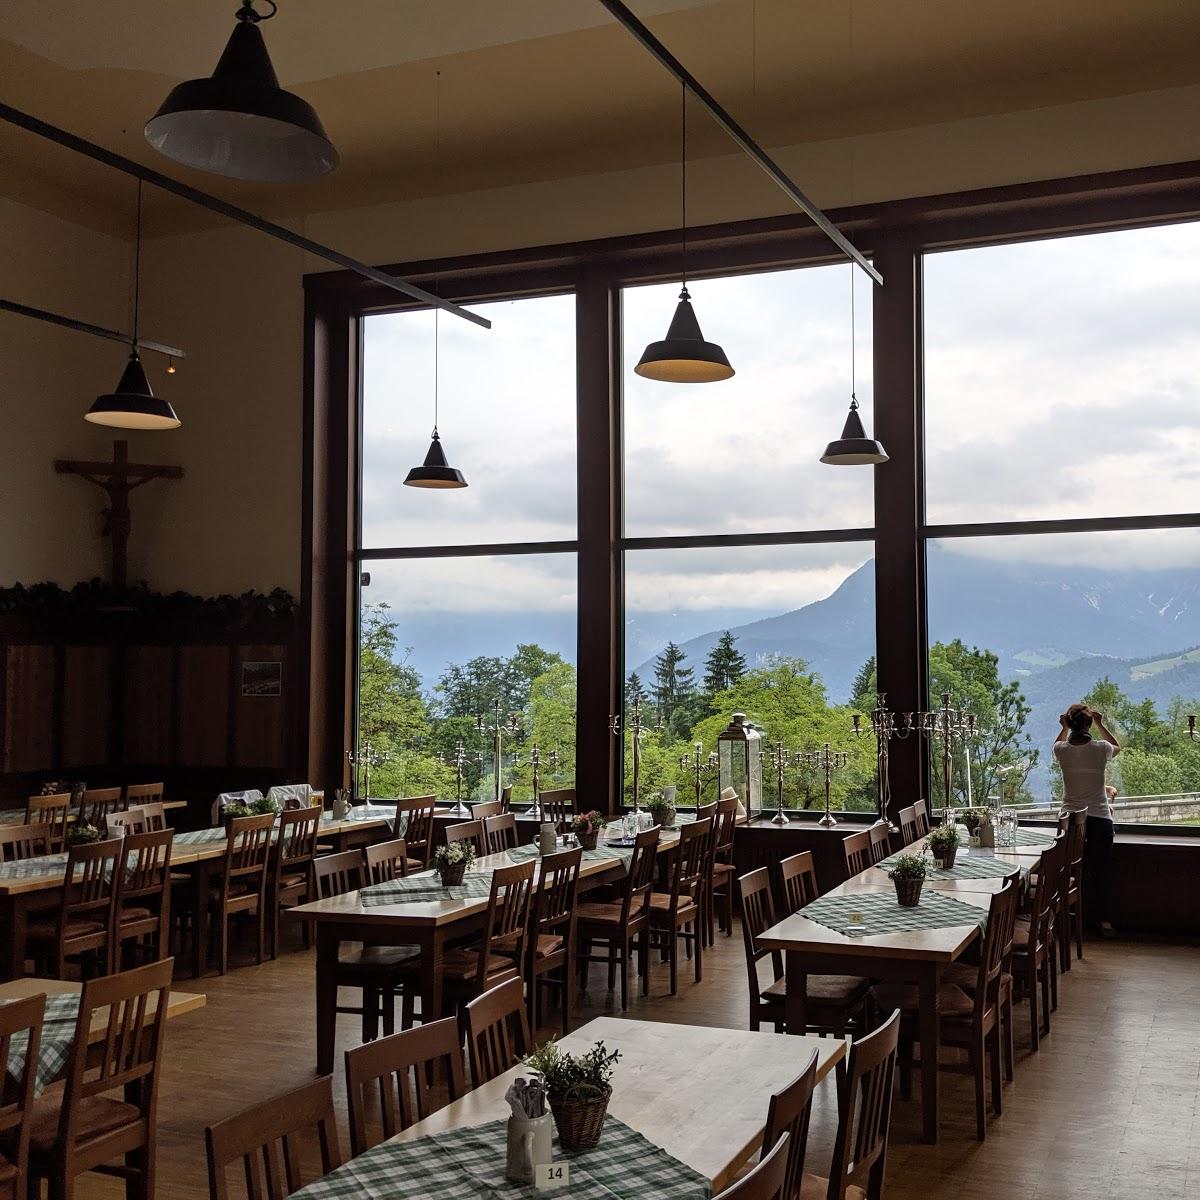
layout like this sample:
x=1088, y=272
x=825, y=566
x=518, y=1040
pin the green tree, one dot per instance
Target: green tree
x=863, y=690
x=724, y=666
x=1144, y=773
x=635, y=690
x=675, y=689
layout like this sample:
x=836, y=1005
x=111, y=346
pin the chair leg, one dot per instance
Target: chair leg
x=626, y=950
x=644, y=960
x=977, y=1071
x=1032, y=988
x=262, y=933
x=699, y=952
x=223, y=936
x=1009, y=1038
x=905, y=1060
x=1046, y=968
x=993, y=1040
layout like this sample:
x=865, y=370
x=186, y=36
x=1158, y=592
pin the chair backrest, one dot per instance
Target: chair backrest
x=707, y=812
x=50, y=810
x=266, y=1140
x=19, y=842
x=22, y=1017
x=90, y=884
x=467, y=831
x=856, y=849
x=865, y=1111
x=130, y=1054
x=145, y=868
x=400, y=1067
x=758, y=915
x=690, y=861
x=997, y=939
x=143, y=793
x=788, y=1114
x=132, y=820
x=337, y=874
x=908, y=824
x=414, y=823
x=639, y=875
x=248, y=849
x=798, y=881
x=497, y=1031
x=766, y=1181
x=1076, y=839
x=881, y=841
x=724, y=828
x=553, y=908
x=1052, y=871
x=507, y=921
x=558, y=805
x=385, y=860
x=506, y=797
x=98, y=803
x=483, y=809
x=297, y=840
x=500, y=832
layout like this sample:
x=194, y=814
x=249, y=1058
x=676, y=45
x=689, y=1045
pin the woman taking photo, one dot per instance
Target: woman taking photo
x=1083, y=761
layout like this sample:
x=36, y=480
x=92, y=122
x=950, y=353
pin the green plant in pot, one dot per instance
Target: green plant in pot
x=662, y=812
x=452, y=860
x=82, y=833
x=586, y=827
x=579, y=1088
x=943, y=845
x=908, y=874
x=256, y=808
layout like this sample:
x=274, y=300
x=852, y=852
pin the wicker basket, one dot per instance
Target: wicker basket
x=587, y=839
x=580, y=1121
x=452, y=873
x=945, y=858
x=663, y=814
x=908, y=891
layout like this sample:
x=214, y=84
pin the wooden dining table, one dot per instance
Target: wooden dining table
x=178, y=1003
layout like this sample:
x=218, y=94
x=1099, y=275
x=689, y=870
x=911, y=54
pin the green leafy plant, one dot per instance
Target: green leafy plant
x=579, y=1077
x=81, y=833
x=909, y=866
x=588, y=822
x=256, y=808
x=972, y=818
x=454, y=852
x=943, y=837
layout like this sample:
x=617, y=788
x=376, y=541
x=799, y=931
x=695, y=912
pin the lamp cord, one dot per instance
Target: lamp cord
x=683, y=184
x=853, y=345
x=137, y=267
x=437, y=158
x=436, y=313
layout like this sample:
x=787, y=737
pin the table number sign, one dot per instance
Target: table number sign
x=549, y=1176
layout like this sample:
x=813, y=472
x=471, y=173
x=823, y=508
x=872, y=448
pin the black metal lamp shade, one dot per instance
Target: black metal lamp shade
x=133, y=405
x=854, y=448
x=240, y=123
x=435, y=471
x=683, y=356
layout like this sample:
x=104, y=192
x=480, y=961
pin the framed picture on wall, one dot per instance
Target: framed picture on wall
x=262, y=679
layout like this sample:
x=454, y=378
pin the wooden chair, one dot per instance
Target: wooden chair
x=18, y=842
x=864, y=1119
x=53, y=811
x=721, y=869
x=83, y=1127
x=908, y=825
x=766, y=1181
x=266, y=1140
x=98, y=804
x=921, y=816
x=86, y=914
x=131, y=820
x=385, y=1067
x=797, y=882
x=506, y=798
x=243, y=890
x=552, y=935
x=619, y=924
x=675, y=916
x=788, y=1117
x=467, y=831
x=1035, y=951
x=386, y=861
x=558, y=805
x=500, y=832
x=16, y=1097
x=143, y=899
x=833, y=1003
x=881, y=845
x=482, y=809
x=376, y=971
x=969, y=1018
x=291, y=865
x=497, y=1031
x=143, y=793
x=856, y=850
x=414, y=823
x=1070, y=910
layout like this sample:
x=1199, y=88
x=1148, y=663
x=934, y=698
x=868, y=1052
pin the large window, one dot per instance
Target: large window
x=446, y=629
x=1061, y=388
x=777, y=619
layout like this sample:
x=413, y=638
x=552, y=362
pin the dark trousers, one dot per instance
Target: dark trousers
x=1097, y=871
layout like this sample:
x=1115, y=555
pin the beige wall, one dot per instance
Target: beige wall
x=233, y=300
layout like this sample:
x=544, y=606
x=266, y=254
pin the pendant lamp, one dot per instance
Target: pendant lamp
x=435, y=471
x=683, y=356
x=854, y=448
x=133, y=404
x=239, y=122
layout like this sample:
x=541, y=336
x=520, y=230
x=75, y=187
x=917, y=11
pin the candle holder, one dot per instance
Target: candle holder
x=700, y=767
x=535, y=771
x=780, y=759
x=458, y=760
x=828, y=761
x=947, y=725
x=496, y=730
x=884, y=726
x=1191, y=726
x=636, y=728
x=366, y=757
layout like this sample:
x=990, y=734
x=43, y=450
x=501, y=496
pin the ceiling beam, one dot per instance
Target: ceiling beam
x=751, y=148
x=113, y=335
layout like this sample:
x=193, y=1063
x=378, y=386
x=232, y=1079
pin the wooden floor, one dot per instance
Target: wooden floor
x=1110, y=1107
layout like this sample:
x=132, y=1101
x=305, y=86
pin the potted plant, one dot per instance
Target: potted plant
x=979, y=825
x=82, y=833
x=586, y=827
x=943, y=845
x=256, y=808
x=452, y=860
x=662, y=812
x=908, y=874
x=579, y=1088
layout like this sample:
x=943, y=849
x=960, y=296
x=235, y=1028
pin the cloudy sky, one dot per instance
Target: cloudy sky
x=1061, y=381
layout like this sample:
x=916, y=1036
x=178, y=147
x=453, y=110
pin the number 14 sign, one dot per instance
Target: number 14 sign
x=551, y=1175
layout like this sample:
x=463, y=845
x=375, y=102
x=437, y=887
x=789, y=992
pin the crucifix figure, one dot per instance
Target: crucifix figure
x=118, y=478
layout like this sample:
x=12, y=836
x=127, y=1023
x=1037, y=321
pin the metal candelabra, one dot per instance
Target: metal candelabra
x=948, y=724
x=636, y=729
x=885, y=727
x=496, y=730
x=700, y=766
x=1191, y=726
x=780, y=759
x=535, y=771
x=458, y=760
x=366, y=758
x=826, y=760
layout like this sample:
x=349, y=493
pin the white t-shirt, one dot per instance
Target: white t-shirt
x=1083, y=775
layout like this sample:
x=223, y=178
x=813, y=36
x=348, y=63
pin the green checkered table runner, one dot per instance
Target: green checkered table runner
x=468, y=1164
x=603, y=853
x=882, y=913
x=31, y=868
x=1031, y=837
x=976, y=865
x=426, y=886
x=58, y=1035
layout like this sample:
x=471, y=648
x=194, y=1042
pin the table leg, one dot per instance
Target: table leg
x=328, y=944
x=200, y=922
x=795, y=1004
x=927, y=984
x=432, y=945
x=12, y=937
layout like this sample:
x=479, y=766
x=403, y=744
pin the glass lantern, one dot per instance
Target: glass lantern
x=739, y=752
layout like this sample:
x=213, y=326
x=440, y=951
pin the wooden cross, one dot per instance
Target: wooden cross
x=118, y=478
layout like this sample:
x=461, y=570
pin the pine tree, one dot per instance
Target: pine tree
x=673, y=682
x=862, y=693
x=724, y=666
x=634, y=690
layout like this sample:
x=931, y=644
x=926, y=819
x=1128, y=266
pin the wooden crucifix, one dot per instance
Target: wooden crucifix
x=118, y=478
